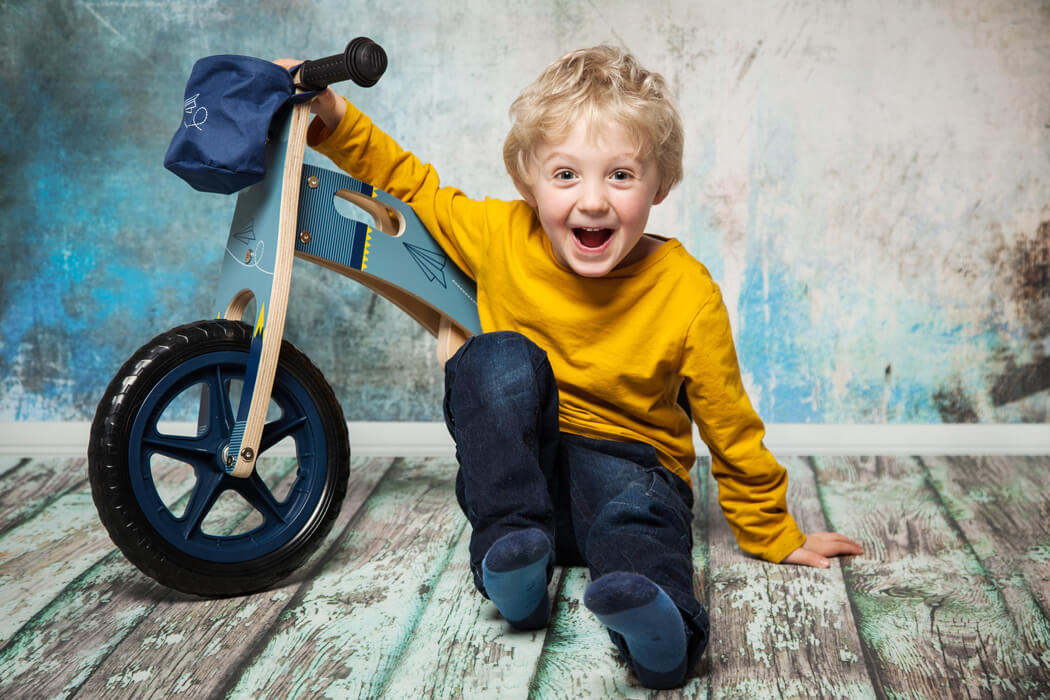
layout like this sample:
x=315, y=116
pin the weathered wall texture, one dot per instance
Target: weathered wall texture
x=869, y=182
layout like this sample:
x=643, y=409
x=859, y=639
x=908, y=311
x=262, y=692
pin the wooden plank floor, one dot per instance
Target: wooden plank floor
x=950, y=600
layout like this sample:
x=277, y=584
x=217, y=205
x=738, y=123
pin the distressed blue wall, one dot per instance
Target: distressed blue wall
x=869, y=182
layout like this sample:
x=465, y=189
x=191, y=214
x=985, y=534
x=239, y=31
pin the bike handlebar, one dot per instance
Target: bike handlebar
x=363, y=61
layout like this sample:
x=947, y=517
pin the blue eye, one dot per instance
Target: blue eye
x=621, y=176
x=564, y=175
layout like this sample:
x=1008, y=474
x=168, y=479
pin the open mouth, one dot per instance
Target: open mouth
x=592, y=238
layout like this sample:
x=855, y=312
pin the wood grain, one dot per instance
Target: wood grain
x=947, y=601
x=779, y=630
x=926, y=608
x=346, y=633
x=579, y=660
x=115, y=631
x=43, y=555
x=282, y=281
x=8, y=463
x=61, y=641
x=201, y=646
x=58, y=648
x=1002, y=507
x=32, y=484
x=462, y=648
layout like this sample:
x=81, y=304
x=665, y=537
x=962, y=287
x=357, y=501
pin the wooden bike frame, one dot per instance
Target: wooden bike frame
x=292, y=214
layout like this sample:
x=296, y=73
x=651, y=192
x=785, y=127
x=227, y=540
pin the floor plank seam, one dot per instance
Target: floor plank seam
x=953, y=524
x=165, y=596
x=334, y=543
x=851, y=586
x=701, y=469
x=534, y=680
x=33, y=622
x=406, y=640
x=993, y=587
x=42, y=506
x=101, y=661
x=981, y=655
x=16, y=466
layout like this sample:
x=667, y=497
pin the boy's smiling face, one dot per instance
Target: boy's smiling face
x=592, y=194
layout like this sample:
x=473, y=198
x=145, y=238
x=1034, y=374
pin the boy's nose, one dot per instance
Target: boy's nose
x=592, y=200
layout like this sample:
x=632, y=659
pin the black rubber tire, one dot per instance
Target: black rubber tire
x=110, y=473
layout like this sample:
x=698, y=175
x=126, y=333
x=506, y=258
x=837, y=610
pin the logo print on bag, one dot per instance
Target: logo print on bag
x=198, y=115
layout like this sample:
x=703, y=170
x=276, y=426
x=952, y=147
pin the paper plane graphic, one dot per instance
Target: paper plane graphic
x=431, y=262
x=246, y=233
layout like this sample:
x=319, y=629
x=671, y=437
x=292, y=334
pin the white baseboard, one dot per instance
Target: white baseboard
x=52, y=438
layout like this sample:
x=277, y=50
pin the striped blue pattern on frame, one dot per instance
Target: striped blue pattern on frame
x=332, y=236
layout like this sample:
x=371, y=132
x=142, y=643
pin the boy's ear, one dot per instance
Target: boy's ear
x=661, y=196
x=525, y=193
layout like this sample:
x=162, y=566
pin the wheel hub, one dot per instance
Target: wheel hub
x=225, y=460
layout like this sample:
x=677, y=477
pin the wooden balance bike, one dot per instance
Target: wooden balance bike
x=160, y=491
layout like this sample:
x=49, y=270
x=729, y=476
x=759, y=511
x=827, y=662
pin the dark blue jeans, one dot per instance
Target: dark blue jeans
x=608, y=505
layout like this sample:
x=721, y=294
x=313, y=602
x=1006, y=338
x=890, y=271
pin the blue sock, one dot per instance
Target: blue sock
x=649, y=621
x=515, y=575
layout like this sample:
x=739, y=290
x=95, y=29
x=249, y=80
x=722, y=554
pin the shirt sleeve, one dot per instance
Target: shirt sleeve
x=752, y=485
x=359, y=147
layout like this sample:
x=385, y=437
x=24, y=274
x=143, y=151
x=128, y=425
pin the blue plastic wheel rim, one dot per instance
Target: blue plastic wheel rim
x=282, y=520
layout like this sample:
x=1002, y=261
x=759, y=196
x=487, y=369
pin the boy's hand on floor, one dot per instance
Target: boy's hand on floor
x=819, y=546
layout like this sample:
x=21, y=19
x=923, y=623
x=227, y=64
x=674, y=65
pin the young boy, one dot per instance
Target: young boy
x=571, y=444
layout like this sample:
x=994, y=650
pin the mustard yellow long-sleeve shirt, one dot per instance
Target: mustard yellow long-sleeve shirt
x=620, y=345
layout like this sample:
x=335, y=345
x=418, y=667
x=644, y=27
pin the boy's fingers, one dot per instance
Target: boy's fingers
x=807, y=557
x=830, y=544
x=815, y=560
x=821, y=545
x=849, y=546
x=840, y=543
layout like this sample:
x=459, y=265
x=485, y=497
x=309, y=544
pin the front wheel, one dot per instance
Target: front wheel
x=160, y=487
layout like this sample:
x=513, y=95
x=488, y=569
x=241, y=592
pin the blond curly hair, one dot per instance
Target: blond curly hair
x=599, y=84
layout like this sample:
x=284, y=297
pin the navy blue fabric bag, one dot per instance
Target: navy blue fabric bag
x=220, y=146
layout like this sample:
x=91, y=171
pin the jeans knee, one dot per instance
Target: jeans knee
x=644, y=516
x=630, y=509
x=500, y=364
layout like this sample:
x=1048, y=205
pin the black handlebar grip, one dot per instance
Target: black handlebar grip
x=363, y=61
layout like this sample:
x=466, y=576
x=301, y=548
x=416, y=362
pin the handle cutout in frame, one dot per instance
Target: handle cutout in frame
x=358, y=207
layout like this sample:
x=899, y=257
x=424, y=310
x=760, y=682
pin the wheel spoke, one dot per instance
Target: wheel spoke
x=278, y=430
x=204, y=495
x=220, y=412
x=258, y=494
x=185, y=449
